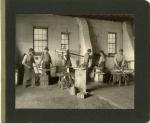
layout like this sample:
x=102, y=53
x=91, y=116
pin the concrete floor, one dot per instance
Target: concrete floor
x=52, y=97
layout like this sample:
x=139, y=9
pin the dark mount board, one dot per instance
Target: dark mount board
x=138, y=9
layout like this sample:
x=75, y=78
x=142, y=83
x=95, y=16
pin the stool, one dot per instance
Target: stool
x=99, y=77
x=121, y=76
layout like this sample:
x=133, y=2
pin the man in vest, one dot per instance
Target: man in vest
x=46, y=61
x=29, y=75
x=119, y=60
x=119, y=64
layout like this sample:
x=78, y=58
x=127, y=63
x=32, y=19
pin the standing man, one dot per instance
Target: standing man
x=29, y=75
x=87, y=63
x=119, y=64
x=46, y=62
x=101, y=62
x=87, y=58
x=67, y=59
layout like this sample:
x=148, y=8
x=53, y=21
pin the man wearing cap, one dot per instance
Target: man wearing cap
x=46, y=58
x=29, y=75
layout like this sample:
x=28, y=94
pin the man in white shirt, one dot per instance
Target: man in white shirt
x=119, y=63
x=119, y=60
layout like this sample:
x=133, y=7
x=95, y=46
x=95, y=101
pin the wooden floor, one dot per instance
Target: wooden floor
x=52, y=97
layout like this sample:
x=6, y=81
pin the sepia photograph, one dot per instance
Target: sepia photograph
x=74, y=61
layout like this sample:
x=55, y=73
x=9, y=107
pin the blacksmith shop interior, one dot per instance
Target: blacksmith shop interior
x=74, y=61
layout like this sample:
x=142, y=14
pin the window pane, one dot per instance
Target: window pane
x=40, y=43
x=40, y=37
x=65, y=41
x=113, y=40
x=114, y=35
x=44, y=31
x=62, y=41
x=110, y=40
x=44, y=37
x=110, y=45
x=40, y=31
x=62, y=36
x=66, y=36
x=35, y=37
x=36, y=31
x=110, y=35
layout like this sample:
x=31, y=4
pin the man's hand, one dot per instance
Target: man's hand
x=122, y=65
x=29, y=67
x=39, y=65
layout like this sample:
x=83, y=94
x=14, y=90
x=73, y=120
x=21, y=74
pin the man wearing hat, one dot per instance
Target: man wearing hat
x=29, y=75
x=46, y=61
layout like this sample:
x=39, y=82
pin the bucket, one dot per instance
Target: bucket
x=99, y=76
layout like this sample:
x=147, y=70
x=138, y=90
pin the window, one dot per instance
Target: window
x=64, y=40
x=40, y=38
x=112, y=39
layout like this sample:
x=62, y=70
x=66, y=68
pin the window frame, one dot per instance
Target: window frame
x=112, y=54
x=39, y=27
x=64, y=44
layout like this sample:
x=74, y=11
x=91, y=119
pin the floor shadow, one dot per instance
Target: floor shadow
x=54, y=80
x=89, y=95
x=92, y=88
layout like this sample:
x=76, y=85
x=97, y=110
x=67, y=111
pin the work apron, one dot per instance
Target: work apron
x=118, y=77
x=29, y=74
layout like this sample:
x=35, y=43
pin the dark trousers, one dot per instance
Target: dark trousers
x=48, y=72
